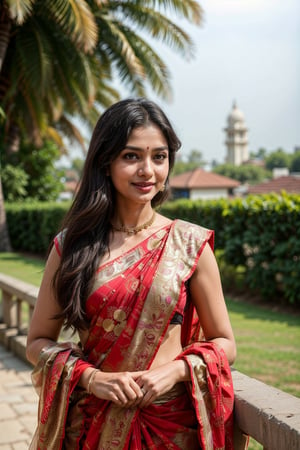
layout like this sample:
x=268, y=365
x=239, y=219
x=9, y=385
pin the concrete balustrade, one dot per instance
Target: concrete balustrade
x=270, y=416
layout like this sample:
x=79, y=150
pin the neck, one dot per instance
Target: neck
x=140, y=224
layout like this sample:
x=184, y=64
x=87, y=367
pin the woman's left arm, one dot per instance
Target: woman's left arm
x=207, y=296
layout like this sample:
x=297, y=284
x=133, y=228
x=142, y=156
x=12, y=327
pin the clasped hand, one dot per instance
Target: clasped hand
x=141, y=388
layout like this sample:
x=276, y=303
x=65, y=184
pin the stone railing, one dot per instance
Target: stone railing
x=270, y=416
x=17, y=304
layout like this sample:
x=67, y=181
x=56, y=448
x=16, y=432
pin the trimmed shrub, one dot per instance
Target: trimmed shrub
x=258, y=236
x=32, y=226
x=262, y=234
x=209, y=214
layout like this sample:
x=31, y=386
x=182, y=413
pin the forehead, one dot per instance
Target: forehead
x=147, y=133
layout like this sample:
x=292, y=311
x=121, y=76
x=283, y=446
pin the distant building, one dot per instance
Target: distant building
x=236, y=137
x=278, y=172
x=199, y=184
x=70, y=181
x=288, y=183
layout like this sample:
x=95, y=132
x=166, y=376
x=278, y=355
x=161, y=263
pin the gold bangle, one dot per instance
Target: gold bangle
x=91, y=378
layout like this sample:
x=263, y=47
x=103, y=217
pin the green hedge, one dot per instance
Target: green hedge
x=260, y=235
x=266, y=240
x=32, y=226
x=209, y=214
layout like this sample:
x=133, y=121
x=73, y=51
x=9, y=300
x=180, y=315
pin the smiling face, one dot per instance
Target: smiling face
x=141, y=168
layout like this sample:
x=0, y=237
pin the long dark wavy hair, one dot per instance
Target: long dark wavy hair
x=88, y=223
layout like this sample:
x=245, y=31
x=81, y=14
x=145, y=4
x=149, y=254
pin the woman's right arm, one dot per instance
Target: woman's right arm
x=120, y=388
x=43, y=329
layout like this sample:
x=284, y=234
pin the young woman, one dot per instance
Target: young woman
x=144, y=293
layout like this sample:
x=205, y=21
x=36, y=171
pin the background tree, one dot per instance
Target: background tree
x=196, y=156
x=58, y=60
x=278, y=159
x=245, y=173
x=32, y=173
x=14, y=182
x=192, y=160
x=77, y=165
x=33, y=37
x=44, y=177
x=260, y=154
x=295, y=162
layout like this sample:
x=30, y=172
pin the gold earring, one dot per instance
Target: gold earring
x=162, y=188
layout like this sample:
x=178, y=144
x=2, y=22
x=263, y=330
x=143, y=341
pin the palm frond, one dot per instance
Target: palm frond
x=100, y=3
x=19, y=10
x=67, y=128
x=114, y=40
x=158, y=25
x=63, y=55
x=71, y=74
x=33, y=56
x=2, y=115
x=187, y=9
x=152, y=70
x=106, y=95
x=30, y=115
x=75, y=19
x=157, y=73
x=56, y=136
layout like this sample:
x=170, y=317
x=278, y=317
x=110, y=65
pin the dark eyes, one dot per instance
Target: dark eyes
x=135, y=156
x=161, y=156
x=130, y=156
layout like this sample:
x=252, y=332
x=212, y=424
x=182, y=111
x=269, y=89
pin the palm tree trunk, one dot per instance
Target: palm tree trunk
x=5, y=26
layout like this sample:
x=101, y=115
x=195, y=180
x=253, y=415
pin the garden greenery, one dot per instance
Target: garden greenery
x=259, y=234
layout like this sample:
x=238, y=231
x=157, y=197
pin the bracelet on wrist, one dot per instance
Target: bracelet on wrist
x=91, y=379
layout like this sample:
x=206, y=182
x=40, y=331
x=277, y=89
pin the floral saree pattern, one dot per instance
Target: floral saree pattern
x=131, y=306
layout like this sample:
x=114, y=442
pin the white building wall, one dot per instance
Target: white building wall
x=208, y=194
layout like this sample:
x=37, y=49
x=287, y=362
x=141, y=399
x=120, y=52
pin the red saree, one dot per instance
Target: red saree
x=130, y=309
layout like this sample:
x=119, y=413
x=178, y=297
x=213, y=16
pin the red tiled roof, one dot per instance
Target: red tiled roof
x=287, y=183
x=200, y=179
x=71, y=186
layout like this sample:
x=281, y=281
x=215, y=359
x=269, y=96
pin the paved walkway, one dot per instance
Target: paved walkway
x=18, y=403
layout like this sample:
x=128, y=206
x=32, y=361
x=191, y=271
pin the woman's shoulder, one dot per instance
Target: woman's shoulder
x=190, y=235
x=59, y=241
x=182, y=226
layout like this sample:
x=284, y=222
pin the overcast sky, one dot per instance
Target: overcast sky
x=247, y=51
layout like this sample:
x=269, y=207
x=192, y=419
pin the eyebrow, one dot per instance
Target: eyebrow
x=140, y=149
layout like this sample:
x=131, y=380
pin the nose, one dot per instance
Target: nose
x=145, y=168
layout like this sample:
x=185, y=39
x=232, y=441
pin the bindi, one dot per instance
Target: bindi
x=147, y=147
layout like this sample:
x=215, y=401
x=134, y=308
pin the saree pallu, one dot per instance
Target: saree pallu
x=130, y=309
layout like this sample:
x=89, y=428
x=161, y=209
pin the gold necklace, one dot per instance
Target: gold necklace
x=135, y=230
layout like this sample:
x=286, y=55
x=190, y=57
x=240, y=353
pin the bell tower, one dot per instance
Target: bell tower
x=236, y=137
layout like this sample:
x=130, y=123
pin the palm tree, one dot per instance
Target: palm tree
x=61, y=55
x=57, y=60
x=39, y=40
x=30, y=102
x=122, y=28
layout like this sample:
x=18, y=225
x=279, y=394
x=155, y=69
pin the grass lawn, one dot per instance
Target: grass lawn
x=267, y=340
x=268, y=345
x=23, y=267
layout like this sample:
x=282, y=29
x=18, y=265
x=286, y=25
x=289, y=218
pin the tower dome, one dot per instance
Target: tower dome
x=235, y=115
x=236, y=137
